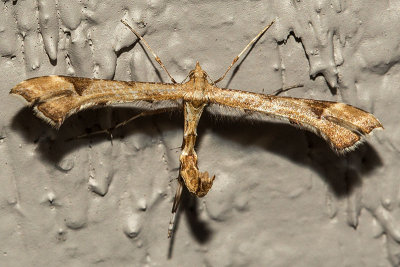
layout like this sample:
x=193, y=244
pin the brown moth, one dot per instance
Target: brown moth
x=55, y=98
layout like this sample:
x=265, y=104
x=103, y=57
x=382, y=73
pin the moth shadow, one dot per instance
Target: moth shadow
x=343, y=173
x=54, y=145
x=199, y=229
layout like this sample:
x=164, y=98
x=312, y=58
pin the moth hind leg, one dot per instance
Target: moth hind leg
x=285, y=89
x=110, y=130
x=175, y=206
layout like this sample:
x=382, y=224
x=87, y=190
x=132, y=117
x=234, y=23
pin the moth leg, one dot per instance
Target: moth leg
x=175, y=206
x=281, y=90
x=123, y=123
x=149, y=48
x=241, y=53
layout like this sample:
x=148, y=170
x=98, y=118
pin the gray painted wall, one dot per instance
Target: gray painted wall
x=281, y=197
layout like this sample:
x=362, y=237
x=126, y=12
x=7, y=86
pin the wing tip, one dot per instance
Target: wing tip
x=34, y=106
x=53, y=123
x=363, y=138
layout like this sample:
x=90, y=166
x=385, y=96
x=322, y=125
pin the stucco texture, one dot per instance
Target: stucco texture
x=281, y=196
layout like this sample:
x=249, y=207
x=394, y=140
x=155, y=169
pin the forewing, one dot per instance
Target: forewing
x=54, y=98
x=341, y=125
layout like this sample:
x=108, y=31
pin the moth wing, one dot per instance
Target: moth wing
x=55, y=98
x=341, y=125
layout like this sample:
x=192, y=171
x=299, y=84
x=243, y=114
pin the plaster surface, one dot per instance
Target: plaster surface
x=281, y=197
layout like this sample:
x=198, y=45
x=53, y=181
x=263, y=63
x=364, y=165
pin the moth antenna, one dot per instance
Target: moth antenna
x=241, y=53
x=149, y=48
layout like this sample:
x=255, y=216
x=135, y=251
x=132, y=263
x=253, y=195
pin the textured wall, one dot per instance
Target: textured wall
x=281, y=196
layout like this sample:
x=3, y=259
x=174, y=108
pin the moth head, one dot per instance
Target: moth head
x=198, y=72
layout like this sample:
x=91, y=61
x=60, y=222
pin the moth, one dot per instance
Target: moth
x=55, y=98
